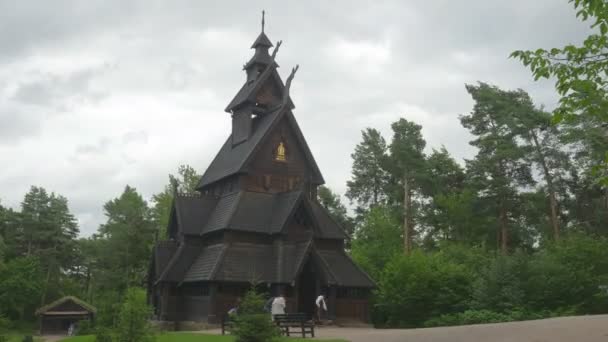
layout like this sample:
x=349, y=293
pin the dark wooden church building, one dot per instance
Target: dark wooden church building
x=256, y=218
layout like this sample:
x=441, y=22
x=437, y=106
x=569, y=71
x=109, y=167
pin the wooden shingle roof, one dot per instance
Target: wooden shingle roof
x=247, y=211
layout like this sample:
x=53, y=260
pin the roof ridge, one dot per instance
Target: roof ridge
x=342, y=230
x=64, y=299
x=357, y=266
x=218, y=262
x=234, y=209
x=171, y=262
x=326, y=264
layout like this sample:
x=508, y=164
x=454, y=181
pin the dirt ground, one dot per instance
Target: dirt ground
x=570, y=329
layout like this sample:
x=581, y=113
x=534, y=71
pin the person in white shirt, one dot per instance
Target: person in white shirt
x=321, y=306
x=278, y=306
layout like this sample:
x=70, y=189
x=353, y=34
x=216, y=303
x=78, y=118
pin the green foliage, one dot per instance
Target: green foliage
x=20, y=287
x=125, y=241
x=133, y=319
x=414, y=288
x=4, y=325
x=377, y=240
x=500, y=166
x=369, y=177
x=85, y=327
x=103, y=334
x=252, y=323
x=499, y=286
x=186, y=181
x=581, y=74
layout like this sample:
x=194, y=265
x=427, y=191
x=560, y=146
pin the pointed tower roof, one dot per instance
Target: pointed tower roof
x=261, y=41
x=261, y=46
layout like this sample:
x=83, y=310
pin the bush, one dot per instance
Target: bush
x=4, y=325
x=476, y=317
x=103, y=334
x=414, y=288
x=133, y=324
x=252, y=323
x=499, y=286
x=85, y=327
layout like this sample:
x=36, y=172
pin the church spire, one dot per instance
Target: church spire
x=261, y=59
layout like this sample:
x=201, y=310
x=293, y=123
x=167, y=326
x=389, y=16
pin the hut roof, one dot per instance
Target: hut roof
x=48, y=308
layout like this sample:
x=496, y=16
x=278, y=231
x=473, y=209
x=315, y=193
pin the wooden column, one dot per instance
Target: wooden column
x=164, y=303
x=213, y=317
x=331, y=303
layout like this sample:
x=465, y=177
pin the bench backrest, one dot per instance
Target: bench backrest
x=292, y=317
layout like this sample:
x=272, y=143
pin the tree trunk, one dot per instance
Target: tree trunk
x=46, y=285
x=549, y=179
x=504, y=233
x=407, y=245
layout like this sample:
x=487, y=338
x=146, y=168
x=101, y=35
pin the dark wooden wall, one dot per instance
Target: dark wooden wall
x=266, y=174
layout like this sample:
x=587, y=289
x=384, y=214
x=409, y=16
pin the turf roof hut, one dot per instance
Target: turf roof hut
x=56, y=317
x=256, y=217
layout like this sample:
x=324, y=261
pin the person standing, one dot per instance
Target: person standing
x=321, y=306
x=278, y=306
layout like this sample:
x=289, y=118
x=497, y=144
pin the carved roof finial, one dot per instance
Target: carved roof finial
x=263, y=23
x=288, y=84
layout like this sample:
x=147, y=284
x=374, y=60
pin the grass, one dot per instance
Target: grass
x=189, y=337
x=18, y=337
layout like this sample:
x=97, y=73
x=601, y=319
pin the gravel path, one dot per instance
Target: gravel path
x=563, y=329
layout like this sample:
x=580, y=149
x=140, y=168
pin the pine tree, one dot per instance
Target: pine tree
x=406, y=164
x=368, y=182
x=500, y=166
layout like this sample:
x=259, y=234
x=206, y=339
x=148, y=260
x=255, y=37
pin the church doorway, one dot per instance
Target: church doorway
x=308, y=285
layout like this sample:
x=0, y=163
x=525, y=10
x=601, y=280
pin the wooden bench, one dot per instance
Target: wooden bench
x=227, y=323
x=298, y=321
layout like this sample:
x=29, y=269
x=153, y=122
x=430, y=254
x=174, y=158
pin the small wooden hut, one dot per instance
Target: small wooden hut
x=56, y=317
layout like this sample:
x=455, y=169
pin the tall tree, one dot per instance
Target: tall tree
x=186, y=181
x=443, y=182
x=499, y=167
x=128, y=235
x=369, y=178
x=47, y=231
x=331, y=201
x=407, y=162
x=542, y=141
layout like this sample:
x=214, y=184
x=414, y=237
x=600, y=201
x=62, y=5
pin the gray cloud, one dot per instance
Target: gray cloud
x=108, y=93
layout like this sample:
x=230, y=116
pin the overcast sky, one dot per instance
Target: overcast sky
x=95, y=95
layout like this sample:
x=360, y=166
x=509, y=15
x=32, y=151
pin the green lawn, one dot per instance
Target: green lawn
x=189, y=337
x=18, y=337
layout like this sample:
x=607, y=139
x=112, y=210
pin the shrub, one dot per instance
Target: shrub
x=252, y=323
x=85, y=327
x=103, y=334
x=414, y=288
x=4, y=325
x=133, y=324
x=499, y=286
x=471, y=317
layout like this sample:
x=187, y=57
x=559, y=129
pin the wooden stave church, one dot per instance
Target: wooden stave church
x=256, y=218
